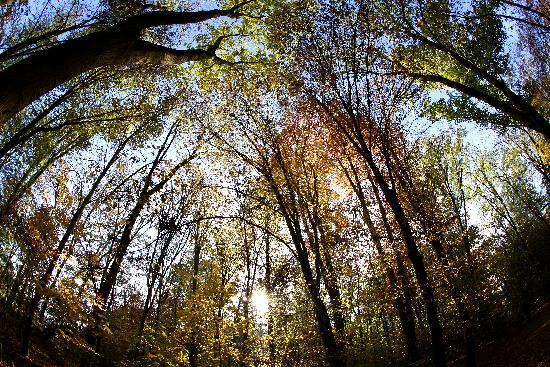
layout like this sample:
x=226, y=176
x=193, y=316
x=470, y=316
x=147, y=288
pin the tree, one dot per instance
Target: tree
x=423, y=191
x=343, y=81
x=120, y=44
x=464, y=50
x=402, y=300
x=147, y=211
x=53, y=263
x=519, y=217
x=295, y=177
x=146, y=191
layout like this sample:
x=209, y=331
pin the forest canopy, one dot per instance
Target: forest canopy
x=274, y=182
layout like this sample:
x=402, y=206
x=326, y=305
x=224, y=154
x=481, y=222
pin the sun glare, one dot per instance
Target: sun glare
x=260, y=301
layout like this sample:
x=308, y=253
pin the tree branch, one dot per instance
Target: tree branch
x=160, y=18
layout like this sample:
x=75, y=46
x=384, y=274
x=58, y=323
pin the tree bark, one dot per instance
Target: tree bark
x=193, y=347
x=119, y=45
x=413, y=253
x=400, y=303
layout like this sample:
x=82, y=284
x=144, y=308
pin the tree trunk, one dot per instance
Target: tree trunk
x=321, y=313
x=401, y=303
x=269, y=291
x=45, y=279
x=119, y=45
x=332, y=351
x=413, y=253
x=193, y=347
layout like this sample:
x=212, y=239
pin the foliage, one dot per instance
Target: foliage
x=321, y=158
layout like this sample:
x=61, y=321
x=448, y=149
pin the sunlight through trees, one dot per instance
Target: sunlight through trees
x=266, y=183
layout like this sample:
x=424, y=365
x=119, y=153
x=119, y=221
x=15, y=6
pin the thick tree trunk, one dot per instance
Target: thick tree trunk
x=30, y=78
x=525, y=114
x=27, y=80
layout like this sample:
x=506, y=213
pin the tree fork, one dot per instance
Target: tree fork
x=29, y=79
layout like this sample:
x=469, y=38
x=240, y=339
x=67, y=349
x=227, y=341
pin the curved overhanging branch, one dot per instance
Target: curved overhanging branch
x=165, y=17
x=511, y=103
x=119, y=45
x=532, y=121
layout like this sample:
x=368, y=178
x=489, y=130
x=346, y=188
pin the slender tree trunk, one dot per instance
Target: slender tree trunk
x=24, y=183
x=269, y=291
x=333, y=354
x=401, y=302
x=405, y=304
x=45, y=279
x=106, y=286
x=331, y=284
x=18, y=285
x=417, y=260
x=323, y=320
x=193, y=347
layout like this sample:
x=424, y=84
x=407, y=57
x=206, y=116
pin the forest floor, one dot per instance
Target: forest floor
x=9, y=348
x=527, y=345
